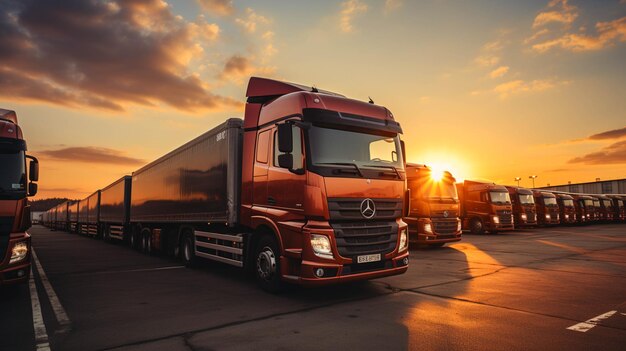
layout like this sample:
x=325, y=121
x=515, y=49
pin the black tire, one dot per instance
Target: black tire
x=437, y=245
x=476, y=226
x=267, y=264
x=106, y=233
x=134, y=240
x=145, y=242
x=187, y=251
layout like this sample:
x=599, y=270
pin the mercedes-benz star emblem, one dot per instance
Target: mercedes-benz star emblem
x=445, y=214
x=368, y=208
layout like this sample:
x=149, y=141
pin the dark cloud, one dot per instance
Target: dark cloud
x=102, y=54
x=612, y=154
x=91, y=154
x=611, y=134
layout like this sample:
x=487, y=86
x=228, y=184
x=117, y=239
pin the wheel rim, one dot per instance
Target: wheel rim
x=266, y=263
x=477, y=226
x=132, y=240
x=187, y=251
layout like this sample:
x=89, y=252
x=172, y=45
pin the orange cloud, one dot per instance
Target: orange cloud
x=611, y=134
x=607, y=34
x=499, y=72
x=561, y=12
x=238, y=67
x=218, y=7
x=252, y=20
x=349, y=10
x=90, y=154
x=513, y=87
x=612, y=154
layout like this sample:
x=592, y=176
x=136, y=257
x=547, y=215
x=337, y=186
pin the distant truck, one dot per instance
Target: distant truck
x=524, y=209
x=485, y=207
x=547, y=208
x=115, y=209
x=619, y=212
x=584, y=208
x=606, y=208
x=308, y=188
x=16, y=184
x=433, y=215
x=597, y=213
x=567, y=209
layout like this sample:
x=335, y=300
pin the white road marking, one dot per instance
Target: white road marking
x=57, y=308
x=587, y=325
x=41, y=335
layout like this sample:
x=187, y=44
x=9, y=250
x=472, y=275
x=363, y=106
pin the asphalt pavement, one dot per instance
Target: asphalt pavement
x=560, y=288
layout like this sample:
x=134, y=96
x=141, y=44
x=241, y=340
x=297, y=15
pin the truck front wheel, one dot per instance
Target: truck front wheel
x=476, y=226
x=187, y=251
x=267, y=264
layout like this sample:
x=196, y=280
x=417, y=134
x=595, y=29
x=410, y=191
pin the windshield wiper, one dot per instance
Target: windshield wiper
x=358, y=170
x=390, y=167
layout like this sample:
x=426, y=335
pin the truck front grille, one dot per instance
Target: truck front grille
x=506, y=217
x=361, y=238
x=350, y=209
x=444, y=226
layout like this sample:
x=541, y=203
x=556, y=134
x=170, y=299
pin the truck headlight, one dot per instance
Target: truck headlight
x=496, y=219
x=19, y=252
x=321, y=246
x=428, y=229
x=547, y=216
x=566, y=216
x=524, y=217
x=458, y=226
x=404, y=240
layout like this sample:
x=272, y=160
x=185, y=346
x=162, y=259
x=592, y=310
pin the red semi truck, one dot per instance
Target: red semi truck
x=547, y=208
x=524, y=209
x=619, y=213
x=308, y=188
x=567, y=209
x=433, y=216
x=485, y=207
x=606, y=208
x=16, y=184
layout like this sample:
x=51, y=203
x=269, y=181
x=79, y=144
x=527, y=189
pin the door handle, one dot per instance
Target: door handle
x=271, y=200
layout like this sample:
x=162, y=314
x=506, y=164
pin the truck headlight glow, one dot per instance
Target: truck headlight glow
x=566, y=216
x=404, y=240
x=321, y=246
x=458, y=226
x=547, y=216
x=524, y=217
x=496, y=219
x=428, y=229
x=19, y=252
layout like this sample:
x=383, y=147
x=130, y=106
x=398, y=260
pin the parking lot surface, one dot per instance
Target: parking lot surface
x=560, y=288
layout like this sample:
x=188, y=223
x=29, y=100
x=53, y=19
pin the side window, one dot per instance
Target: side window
x=298, y=156
x=484, y=197
x=262, y=146
x=473, y=196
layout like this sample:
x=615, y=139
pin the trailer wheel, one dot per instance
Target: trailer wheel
x=146, y=243
x=268, y=264
x=106, y=233
x=476, y=226
x=134, y=240
x=187, y=251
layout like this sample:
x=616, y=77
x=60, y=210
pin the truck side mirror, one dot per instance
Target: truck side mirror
x=285, y=161
x=285, y=138
x=33, y=169
x=32, y=189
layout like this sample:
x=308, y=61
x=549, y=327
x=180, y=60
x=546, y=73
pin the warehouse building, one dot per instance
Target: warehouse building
x=617, y=186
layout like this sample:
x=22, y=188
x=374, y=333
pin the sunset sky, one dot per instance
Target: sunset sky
x=487, y=89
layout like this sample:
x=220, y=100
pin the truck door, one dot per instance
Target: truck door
x=261, y=162
x=285, y=190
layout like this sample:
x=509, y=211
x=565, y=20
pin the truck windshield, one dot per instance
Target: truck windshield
x=607, y=203
x=588, y=203
x=596, y=203
x=526, y=199
x=549, y=201
x=440, y=190
x=568, y=202
x=500, y=197
x=334, y=146
x=12, y=172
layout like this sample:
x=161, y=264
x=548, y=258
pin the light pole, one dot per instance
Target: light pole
x=533, y=178
x=517, y=179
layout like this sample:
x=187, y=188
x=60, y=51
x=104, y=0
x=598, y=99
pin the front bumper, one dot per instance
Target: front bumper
x=18, y=272
x=419, y=236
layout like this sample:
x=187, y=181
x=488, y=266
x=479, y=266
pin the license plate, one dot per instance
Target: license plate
x=368, y=258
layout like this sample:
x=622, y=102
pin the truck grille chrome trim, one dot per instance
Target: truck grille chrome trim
x=360, y=238
x=506, y=217
x=350, y=209
x=444, y=226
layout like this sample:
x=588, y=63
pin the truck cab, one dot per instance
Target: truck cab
x=16, y=184
x=485, y=207
x=584, y=207
x=567, y=209
x=524, y=209
x=547, y=208
x=619, y=213
x=606, y=208
x=434, y=208
x=597, y=209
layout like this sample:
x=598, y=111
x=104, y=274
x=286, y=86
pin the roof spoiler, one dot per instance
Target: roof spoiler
x=8, y=115
x=263, y=89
